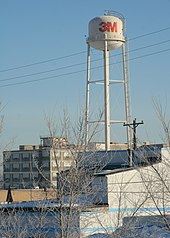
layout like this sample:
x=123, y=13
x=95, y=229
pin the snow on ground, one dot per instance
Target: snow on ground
x=149, y=231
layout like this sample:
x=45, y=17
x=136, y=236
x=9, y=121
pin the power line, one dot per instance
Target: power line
x=42, y=79
x=150, y=33
x=70, y=66
x=42, y=62
x=150, y=54
x=74, y=54
x=80, y=71
x=41, y=72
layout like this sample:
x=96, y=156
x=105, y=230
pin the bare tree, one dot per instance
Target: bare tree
x=83, y=189
x=155, y=181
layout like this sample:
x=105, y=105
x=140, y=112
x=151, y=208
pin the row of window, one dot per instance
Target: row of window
x=24, y=185
x=9, y=176
x=25, y=180
x=25, y=155
x=22, y=166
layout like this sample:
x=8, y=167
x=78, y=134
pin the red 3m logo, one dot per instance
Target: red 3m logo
x=108, y=27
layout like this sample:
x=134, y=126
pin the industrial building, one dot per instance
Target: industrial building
x=126, y=193
x=36, y=166
x=111, y=182
x=102, y=201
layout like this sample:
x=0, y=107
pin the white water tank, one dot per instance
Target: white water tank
x=108, y=27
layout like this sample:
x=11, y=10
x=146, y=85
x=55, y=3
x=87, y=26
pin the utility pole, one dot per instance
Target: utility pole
x=133, y=126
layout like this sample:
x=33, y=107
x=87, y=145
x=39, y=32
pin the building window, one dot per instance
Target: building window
x=15, y=155
x=15, y=166
x=16, y=177
x=7, y=178
x=15, y=185
x=26, y=155
x=47, y=175
x=26, y=165
x=7, y=167
x=45, y=153
x=26, y=176
x=34, y=175
x=45, y=164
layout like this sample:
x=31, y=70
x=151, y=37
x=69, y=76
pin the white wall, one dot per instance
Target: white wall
x=135, y=192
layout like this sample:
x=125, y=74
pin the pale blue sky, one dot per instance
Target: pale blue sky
x=39, y=30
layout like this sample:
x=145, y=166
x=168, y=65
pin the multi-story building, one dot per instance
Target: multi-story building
x=36, y=166
x=136, y=197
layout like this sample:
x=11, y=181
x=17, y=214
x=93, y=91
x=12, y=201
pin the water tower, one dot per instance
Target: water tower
x=106, y=33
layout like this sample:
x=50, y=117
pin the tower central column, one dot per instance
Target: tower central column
x=107, y=97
